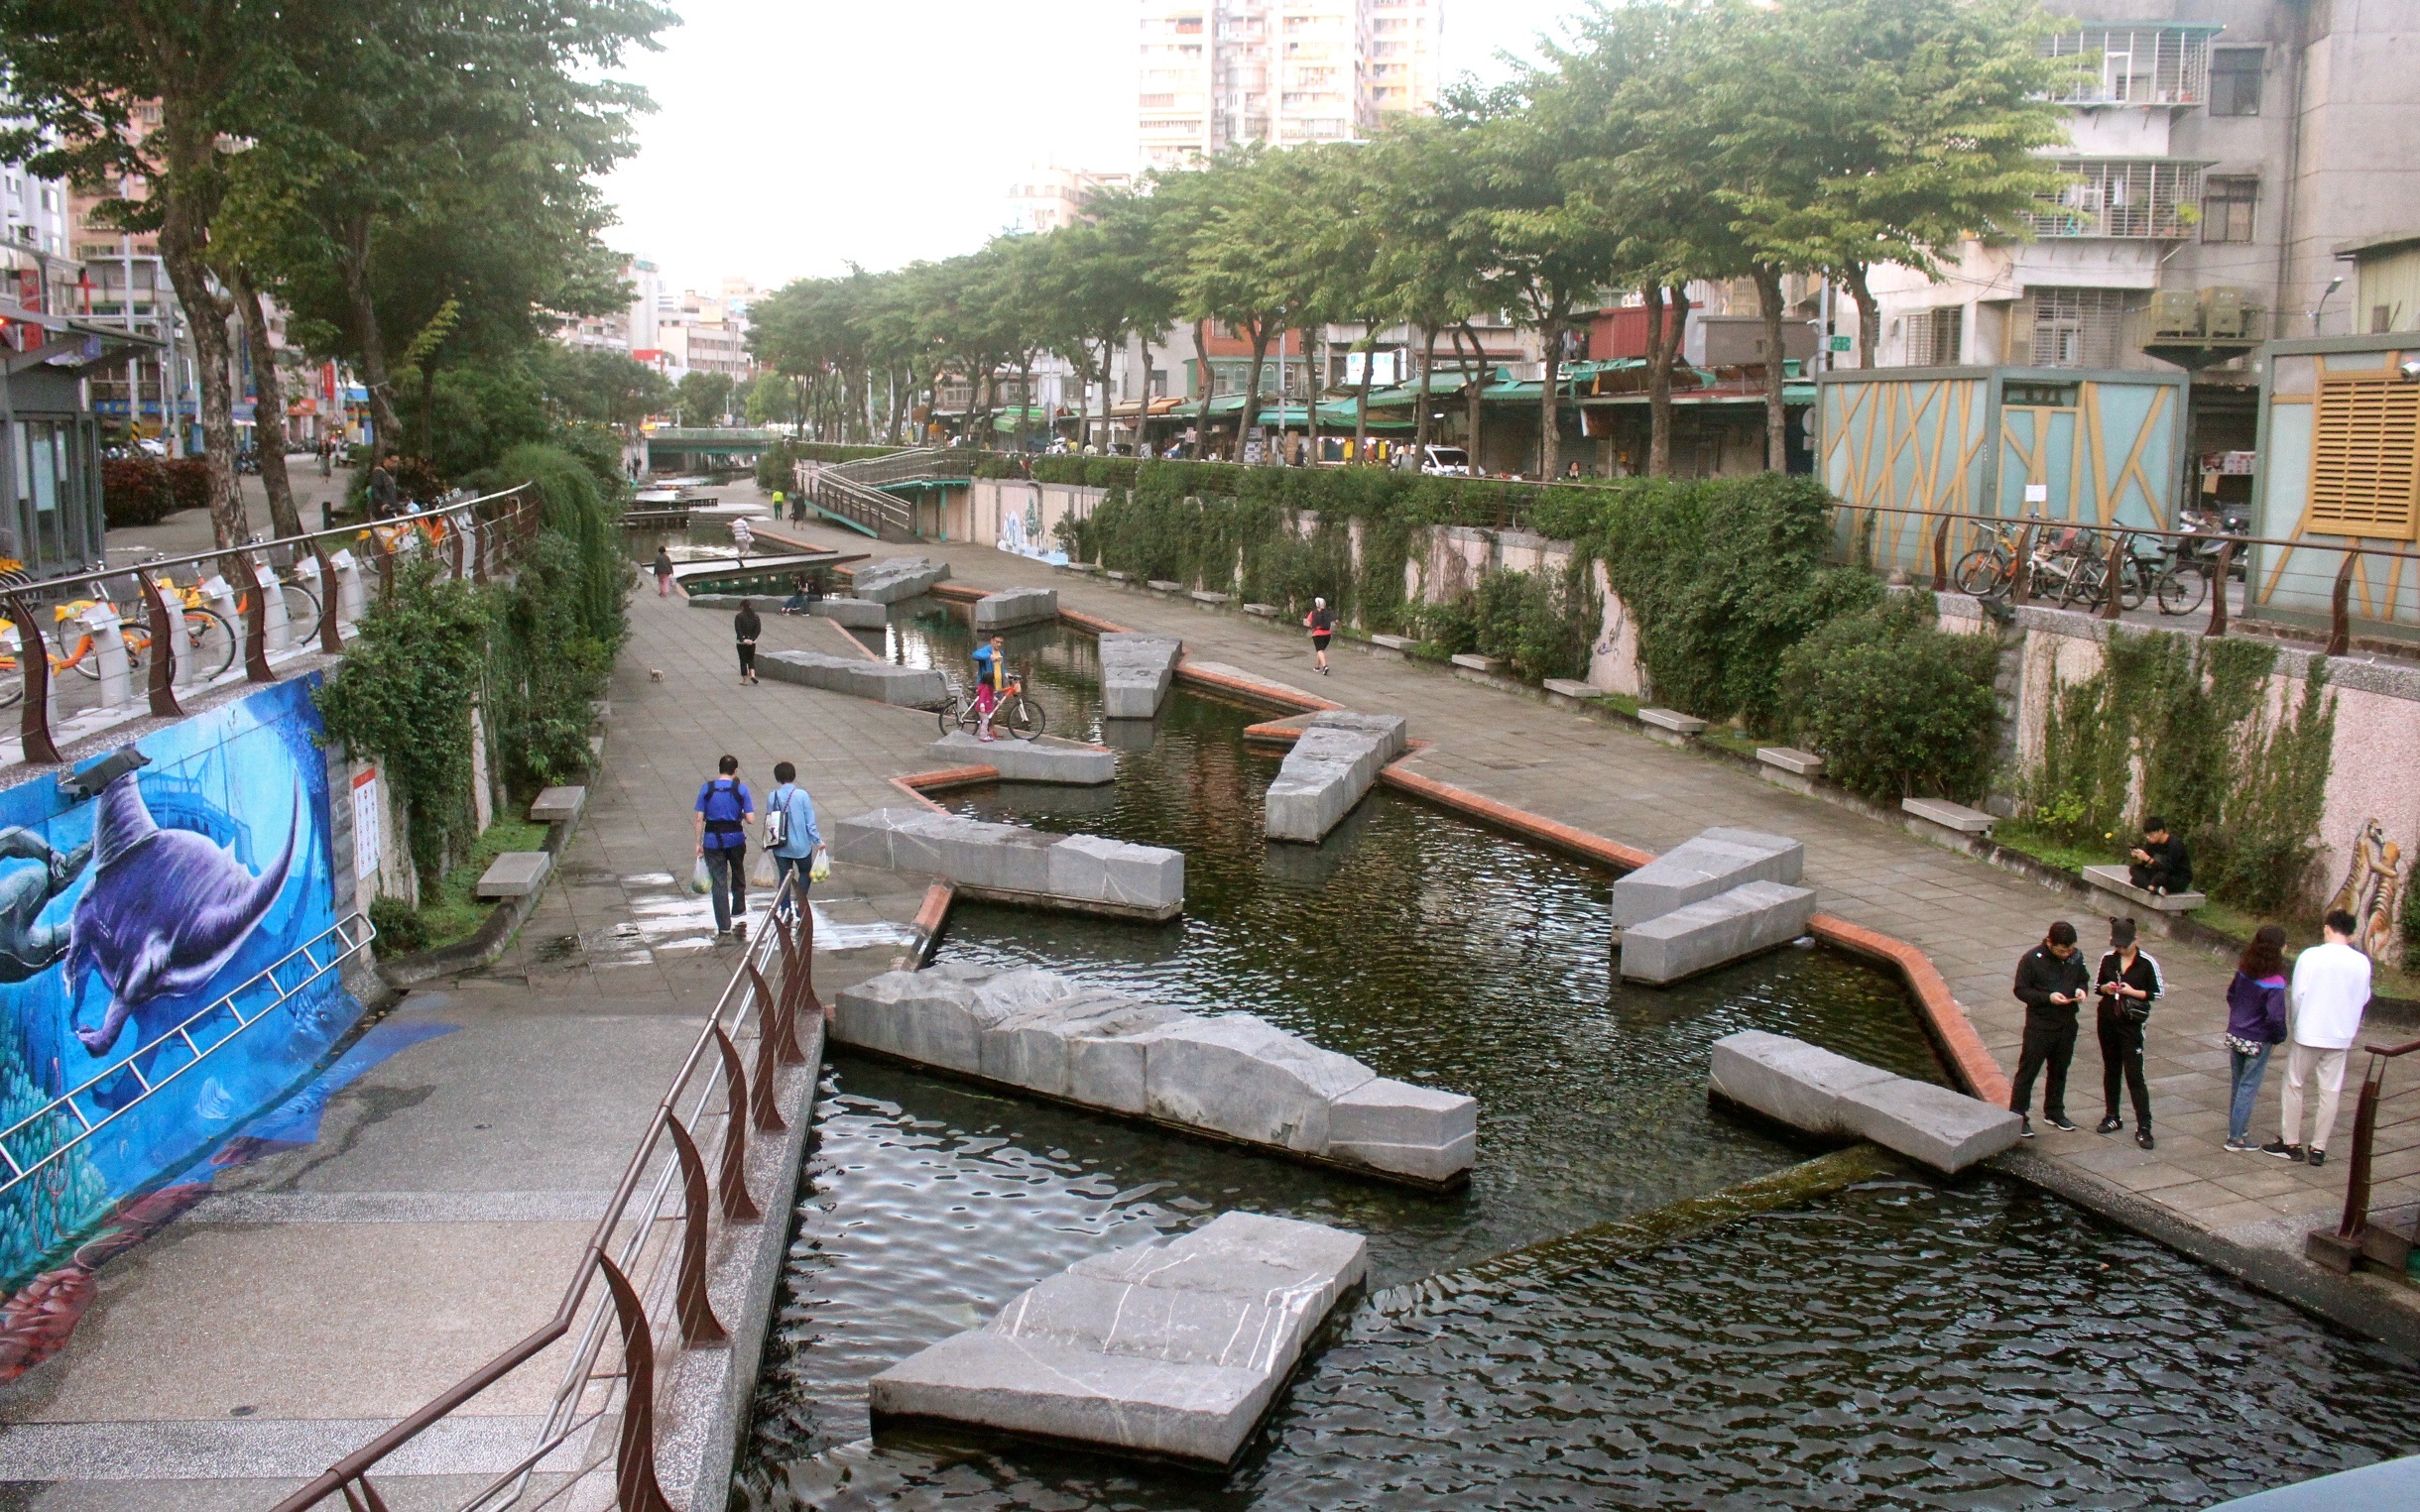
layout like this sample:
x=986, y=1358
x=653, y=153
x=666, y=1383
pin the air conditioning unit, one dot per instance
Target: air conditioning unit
x=2176, y=313
x=2229, y=313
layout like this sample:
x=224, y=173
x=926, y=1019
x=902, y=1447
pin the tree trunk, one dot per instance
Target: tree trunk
x=1549, y=401
x=1665, y=343
x=1421, y=404
x=367, y=337
x=1776, y=413
x=1201, y=377
x=268, y=408
x=1249, y=415
x=1109, y=346
x=184, y=233
x=1869, y=319
x=1471, y=391
x=1361, y=395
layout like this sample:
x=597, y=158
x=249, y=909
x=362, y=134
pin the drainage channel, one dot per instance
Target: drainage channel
x=1895, y=1342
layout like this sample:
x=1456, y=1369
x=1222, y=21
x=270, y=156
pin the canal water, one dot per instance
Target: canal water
x=1902, y=1344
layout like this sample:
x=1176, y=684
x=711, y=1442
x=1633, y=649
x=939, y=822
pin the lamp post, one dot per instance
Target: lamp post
x=2334, y=284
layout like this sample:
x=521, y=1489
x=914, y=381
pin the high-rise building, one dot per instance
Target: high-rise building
x=1218, y=74
x=1046, y=196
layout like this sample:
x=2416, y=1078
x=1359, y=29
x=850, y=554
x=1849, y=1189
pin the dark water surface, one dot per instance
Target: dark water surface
x=1899, y=1345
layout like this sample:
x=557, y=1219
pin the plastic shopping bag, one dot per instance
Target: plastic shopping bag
x=761, y=874
x=701, y=881
x=820, y=868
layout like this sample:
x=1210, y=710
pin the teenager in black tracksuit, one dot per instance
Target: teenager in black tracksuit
x=2051, y=982
x=2127, y=983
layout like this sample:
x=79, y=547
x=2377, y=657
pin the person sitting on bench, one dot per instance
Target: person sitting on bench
x=2159, y=864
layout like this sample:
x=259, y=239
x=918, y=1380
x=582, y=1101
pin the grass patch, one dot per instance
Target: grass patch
x=1730, y=740
x=1620, y=703
x=448, y=912
x=2048, y=849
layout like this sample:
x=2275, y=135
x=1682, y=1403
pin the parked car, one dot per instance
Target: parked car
x=1446, y=462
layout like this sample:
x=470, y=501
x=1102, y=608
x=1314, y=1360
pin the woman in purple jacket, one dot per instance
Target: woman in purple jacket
x=2255, y=1025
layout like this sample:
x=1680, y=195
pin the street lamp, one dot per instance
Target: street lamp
x=2334, y=284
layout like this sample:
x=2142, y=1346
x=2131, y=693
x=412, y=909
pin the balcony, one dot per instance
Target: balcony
x=2148, y=200
x=2135, y=65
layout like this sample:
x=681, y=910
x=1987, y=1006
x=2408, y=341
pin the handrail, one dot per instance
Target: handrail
x=893, y=467
x=2362, y=1232
x=870, y=509
x=774, y=975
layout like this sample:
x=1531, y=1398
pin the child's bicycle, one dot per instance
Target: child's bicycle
x=1011, y=711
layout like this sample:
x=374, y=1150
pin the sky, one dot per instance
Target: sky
x=793, y=136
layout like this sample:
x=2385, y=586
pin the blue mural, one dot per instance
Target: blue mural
x=149, y=929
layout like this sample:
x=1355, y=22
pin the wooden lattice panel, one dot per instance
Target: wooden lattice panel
x=2365, y=456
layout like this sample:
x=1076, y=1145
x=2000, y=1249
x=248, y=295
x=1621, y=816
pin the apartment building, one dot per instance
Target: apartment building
x=38, y=271
x=1219, y=73
x=1046, y=196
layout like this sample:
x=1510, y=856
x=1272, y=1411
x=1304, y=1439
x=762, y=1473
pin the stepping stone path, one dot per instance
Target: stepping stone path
x=1722, y=894
x=1135, y=671
x=1814, y=1090
x=896, y=577
x=1041, y=760
x=857, y=676
x=856, y=614
x=1010, y=863
x=1335, y=760
x=1014, y=607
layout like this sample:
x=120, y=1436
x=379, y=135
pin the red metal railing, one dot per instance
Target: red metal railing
x=2381, y=1219
x=639, y=1289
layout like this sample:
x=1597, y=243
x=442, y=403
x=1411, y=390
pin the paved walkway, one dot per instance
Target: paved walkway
x=1971, y=918
x=325, y=1289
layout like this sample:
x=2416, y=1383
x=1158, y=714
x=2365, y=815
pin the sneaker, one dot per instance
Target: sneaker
x=739, y=931
x=2282, y=1150
x=2059, y=1122
x=2319, y=1157
x=2110, y=1124
x=2238, y=1146
x=2024, y=1127
x=2142, y=1136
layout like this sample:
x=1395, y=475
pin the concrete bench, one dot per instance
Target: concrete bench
x=1803, y=764
x=558, y=805
x=1711, y=861
x=1334, y=763
x=1135, y=672
x=1471, y=661
x=1570, y=692
x=1009, y=863
x=1207, y=599
x=896, y=577
x=1163, y=585
x=515, y=874
x=1172, y=1349
x=2116, y=880
x=858, y=676
x=1087, y=569
x=1262, y=610
x=1814, y=1090
x=1956, y=817
x=1013, y=607
x=1715, y=931
x=1117, y=577
x=1047, y=759
x=1672, y=721
x=1392, y=645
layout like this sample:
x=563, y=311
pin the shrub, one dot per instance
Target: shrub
x=1540, y=624
x=1450, y=629
x=133, y=492
x=189, y=483
x=1895, y=705
x=401, y=929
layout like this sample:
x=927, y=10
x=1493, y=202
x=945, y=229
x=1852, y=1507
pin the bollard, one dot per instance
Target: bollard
x=348, y=600
x=306, y=572
x=274, y=627
x=180, y=636
x=108, y=652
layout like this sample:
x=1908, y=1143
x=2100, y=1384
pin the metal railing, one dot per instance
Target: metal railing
x=2381, y=1219
x=33, y=1142
x=473, y=539
x=852, y=502
x=640, y=1285
x=914, y=465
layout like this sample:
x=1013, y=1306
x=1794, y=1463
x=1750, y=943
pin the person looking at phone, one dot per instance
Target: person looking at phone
x=2052, y=981
x=2160, y=864
x=2128, y=983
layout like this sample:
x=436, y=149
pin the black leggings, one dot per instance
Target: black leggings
x=747, y=659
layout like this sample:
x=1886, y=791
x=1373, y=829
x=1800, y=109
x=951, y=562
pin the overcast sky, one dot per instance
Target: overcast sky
x=792, y=137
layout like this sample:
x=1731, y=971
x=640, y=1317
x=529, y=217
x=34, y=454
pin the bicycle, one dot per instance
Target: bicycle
x=212, y=647
x=1989, y=570
x=1010, y=711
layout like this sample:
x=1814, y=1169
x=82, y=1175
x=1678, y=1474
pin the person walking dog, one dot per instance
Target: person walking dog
x=725, y=809
x=2255, y=1025
x=2128, y=983
x=2051, y=981
x=1321, y=622
x=2331, y=991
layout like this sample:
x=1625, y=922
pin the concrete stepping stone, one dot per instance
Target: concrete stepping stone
x=515, y=874
x=1334, y=763
x=1173, y=1349
x=856, y=614
x=1047, y=759
x=858, y=676
x=1711, y=932
x=1135, y=672
x=1812, y=1089
x=896, y=577
x=1711, y=861
x=1232, y=1076
x=558, y=805
x=1013, y=607
x=1010, y=863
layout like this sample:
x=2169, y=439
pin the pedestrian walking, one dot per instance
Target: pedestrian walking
x=2051, y=981
x=991, y=681
x=2160, y=864
x=327, y=457
x=742, y=535
x=789, y=829
x=2329, y=993
x=384, y=501
x=2127, y=983
x=2255, y=1025
x=1321, y=622
x=725, y=809
x=664, y=573
x=747, y=627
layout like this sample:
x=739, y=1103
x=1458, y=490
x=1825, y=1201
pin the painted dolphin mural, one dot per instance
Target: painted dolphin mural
x=164, y=913
x=28, y=946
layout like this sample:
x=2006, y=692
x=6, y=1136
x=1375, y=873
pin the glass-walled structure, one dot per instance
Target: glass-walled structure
x=49, y=458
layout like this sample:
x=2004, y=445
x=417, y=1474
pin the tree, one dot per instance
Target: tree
x=1231, y=272
x=1425, y=183
x=702, y=397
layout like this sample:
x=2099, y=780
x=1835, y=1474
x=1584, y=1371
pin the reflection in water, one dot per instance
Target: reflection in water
x=1899, y=1345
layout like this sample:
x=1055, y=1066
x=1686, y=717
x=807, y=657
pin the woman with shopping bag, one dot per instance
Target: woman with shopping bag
x=790, y=836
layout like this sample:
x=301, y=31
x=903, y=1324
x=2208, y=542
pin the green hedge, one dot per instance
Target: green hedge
x=1897, y=705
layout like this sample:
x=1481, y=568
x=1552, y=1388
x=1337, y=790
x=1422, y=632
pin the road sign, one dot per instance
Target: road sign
x=1839, y=343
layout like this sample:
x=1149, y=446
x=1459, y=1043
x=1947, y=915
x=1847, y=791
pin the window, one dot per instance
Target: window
x=1933, y=337
x=1149, y=102
x=2227, y=209
x=2381, y=319
x=2235, y=80
x=2076, y=327
x=2127, y=196
x=1187, y=26
x=2366, y=455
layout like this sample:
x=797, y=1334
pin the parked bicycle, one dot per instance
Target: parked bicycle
x=1012, y=712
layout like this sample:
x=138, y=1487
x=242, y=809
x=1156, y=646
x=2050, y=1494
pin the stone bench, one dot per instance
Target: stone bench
x=1814, y=1090
x=1163, y=585
x=1047, y=759
x=896, y=577
x=1711, y=861
x=1392, y=645
x=1672, y=721
x=1208, y=599
x=1172, y=1349
x=856, y=614
x=1009, y=863
x=2118, y=880
x=1955, y=816
x=515, y=874
x=1803, y=764
x=1262, y=610
x=1337, y=758
x=1012, y=607
x=1119, y=577
x=1135, y=672
x=1471, y=661
x=558, y=805
x=1715, y=931
x=858, y=676
x=1089, y=569
x=1570, y=693
x=1232, y=1076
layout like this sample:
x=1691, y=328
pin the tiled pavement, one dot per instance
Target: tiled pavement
x=1973, y=920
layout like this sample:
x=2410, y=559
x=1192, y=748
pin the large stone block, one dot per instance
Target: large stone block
x=1147, y=879
x=1079, y=871
x=1242, y=1075
x=1029, y=1046
x=856, y=614
x=1708, y=933
x=1714, y=861
x=896, y=577
x=1041, y=760
x=1789, y=1080
x=515, y=874
x=932, y=1018
x=1333, y=764
x=858, y=676
x=1947, y=1130
x=1135, y=671
x=1015, y=605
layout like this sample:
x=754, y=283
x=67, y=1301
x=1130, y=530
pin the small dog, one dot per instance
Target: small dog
x=654, y=674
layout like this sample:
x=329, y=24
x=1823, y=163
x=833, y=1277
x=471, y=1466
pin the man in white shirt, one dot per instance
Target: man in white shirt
x=2330, y=992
